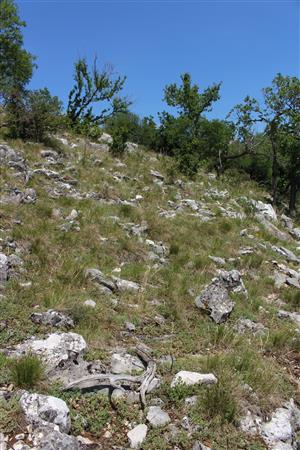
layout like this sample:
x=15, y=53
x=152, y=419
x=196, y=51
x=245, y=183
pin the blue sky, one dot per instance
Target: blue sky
x=241, y=43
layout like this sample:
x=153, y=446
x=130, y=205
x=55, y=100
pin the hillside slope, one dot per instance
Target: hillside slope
x=143, y=275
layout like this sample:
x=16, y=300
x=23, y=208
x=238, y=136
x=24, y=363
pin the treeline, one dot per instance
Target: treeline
x=270, y=156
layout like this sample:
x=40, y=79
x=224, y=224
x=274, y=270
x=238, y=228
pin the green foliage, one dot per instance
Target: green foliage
x=27, y=371
x=16, y=64
x=37, y=114
x=141, y=131
x=120, y=137
x=182, y=136
x=89, y=413
x=94, y=86
x=9, y=416
x=218, y=401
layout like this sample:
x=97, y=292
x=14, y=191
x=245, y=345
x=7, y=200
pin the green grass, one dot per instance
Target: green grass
x=55, y=261
x=26, y=372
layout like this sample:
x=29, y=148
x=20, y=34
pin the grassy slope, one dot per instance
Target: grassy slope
x=55, y=262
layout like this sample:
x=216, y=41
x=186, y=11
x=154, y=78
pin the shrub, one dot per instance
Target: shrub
x=218, y=401
x=35, y=115
x=26, y=371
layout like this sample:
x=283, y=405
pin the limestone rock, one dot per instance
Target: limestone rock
x=131, y=147
x=191, y=378
x=265, y=209
x=4, y=266
x=246, y=325
x=98, y=277
x=45, y=438
x=157, y=417
x=57, y=350
x=137, y=435
x=125, y=363
x=42, y=409
x=215, y=298
x=292, y=316
x=52, y=318
x=126, y=285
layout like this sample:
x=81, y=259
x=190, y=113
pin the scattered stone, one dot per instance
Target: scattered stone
x=45, y=438
x=52, y=318
x=280, y=431
x=215, y=299
x=130, y=147
x=105, y=138
x=57, y=350
x=265, y=209
x=72, y=216
x=157, y=175
x=157, y=417
x=246, y=325
x=41, y=410
x=137, y=435
x=130, y=327
x=126, y=363
x=90, y=303
x=192, y=378
x=272, y=229
x=191, y=401
x=4, y=268
x=125, y=285
x=49, y=154
x=98, y=277
x=198, y=446
x=292, y=316
x=287, y=254
x=219, y=261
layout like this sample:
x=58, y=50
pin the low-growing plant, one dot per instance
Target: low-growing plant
x=27, y=371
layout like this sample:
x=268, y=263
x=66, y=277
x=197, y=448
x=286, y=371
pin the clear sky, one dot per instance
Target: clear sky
x=241, y=43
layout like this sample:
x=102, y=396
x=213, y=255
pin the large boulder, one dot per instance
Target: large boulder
x=58, y=350
x=215, y=298
x=42, y=410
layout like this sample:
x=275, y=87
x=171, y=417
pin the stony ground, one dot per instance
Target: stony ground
x=140, y=309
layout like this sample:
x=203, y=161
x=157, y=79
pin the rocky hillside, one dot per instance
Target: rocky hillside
x=140, y=309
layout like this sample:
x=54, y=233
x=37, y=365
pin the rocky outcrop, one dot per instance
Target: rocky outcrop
x=248, y=326
x=280, y=431
x=57, y=350
x=215, y=298
x=52, y=318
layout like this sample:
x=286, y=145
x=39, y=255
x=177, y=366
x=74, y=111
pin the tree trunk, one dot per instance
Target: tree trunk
x=293, y=195
x=274, y=172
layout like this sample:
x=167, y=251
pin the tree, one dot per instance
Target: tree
x=182, y=135
x=94, y=87
x=16, y=64
x=141, y=131
x=38, y=115
x=280, y=112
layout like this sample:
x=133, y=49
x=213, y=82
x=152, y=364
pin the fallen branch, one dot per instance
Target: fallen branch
x=121, y=381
